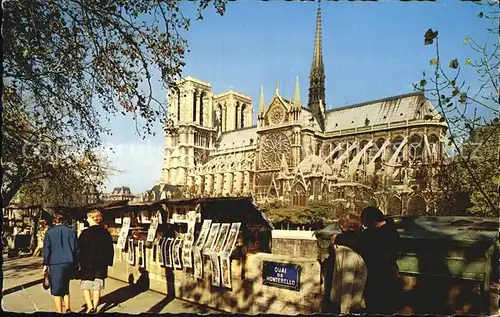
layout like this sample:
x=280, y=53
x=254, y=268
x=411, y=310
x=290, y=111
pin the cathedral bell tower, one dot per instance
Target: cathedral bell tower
x=317, y=77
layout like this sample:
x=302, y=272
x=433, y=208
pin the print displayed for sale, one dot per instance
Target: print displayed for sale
x=225, y=264
x=205, y=229
x=159, y=254
x=215, y=269
x=176, y=253
x=188, y=245
x=122, y=238
x=214, y=230
x=167, y=252
x=232, y=237
x=152, y=229
x=131, y=252
x=198, y=263
x=141, y=254
x=221, y=237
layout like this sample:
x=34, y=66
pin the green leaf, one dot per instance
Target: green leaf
x=434, y=61
x=463, y=97
x=466, y=40
x=429, y=36
x=480, y=15
x=26, y=52
x=423, y=82
x=454, y=64
x=468, y=61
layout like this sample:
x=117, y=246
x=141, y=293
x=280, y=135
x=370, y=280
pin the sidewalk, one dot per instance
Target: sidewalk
x=23, y=293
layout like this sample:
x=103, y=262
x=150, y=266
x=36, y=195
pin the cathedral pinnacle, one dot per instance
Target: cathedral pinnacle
x=262, y=104
x=277, y=88
x=296, y=97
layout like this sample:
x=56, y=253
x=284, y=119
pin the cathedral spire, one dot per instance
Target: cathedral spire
x=317, y=75
x=296, y=97
x=277, y=88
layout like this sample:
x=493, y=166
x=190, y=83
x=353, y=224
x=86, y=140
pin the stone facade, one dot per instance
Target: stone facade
x=376, y=152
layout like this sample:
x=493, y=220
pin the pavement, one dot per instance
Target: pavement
x=23, y=293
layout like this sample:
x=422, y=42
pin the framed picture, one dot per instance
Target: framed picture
x=215, y=270
x=232, y=237
x=221, y=238
x=225, y=264
x=167, y=252
x=214, y=230
x=141, y=259
x=131, y=252
x=176, y=253
x=159, y=254
x=205, y=229
x=198, y=263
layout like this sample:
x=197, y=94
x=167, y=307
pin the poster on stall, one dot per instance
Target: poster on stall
x=198, y=263
x=167, y=252
x=225, y=264
x=176, y=253
x=159, y=250
x=214, y=229
x=221, y=238
x=122, y=238
x=205, y=229
x=215, y=270
x=152, y=229
x=141, y=254
x=231, y=239
x=131, y=252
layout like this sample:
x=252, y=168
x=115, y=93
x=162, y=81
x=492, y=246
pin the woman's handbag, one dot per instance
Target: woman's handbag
x=46, y=281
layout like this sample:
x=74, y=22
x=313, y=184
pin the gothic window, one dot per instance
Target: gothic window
x=243, y=108
x=299, y=195
x=273, y=147
x=236, y=115
x=396, y=142
x=364, y=159
x=194, y=106
x=202, y=94
x=415, y=147
x=434, y=146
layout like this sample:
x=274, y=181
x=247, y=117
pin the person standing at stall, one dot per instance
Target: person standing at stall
x=59, y=259
x=379, y=243
x=95, y=254
x=345, y=270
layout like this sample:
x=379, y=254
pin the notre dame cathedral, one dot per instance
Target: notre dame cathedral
x=376, y=152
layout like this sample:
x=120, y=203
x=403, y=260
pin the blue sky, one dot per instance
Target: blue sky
x=370, y=50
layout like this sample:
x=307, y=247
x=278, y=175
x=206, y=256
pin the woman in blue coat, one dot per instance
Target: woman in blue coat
x=59, y=259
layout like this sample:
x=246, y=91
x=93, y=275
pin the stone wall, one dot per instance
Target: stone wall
x=294, y=243
x=248, y=294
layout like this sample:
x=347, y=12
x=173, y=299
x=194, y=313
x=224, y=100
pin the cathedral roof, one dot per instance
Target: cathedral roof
x=237, y=138
x=413, y=106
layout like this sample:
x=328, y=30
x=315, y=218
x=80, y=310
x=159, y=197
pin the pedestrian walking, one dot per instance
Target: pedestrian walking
x=95, y=254
x=59, y=259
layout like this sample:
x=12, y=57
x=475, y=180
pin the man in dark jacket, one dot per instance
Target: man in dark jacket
x=59, y=259
x=380, y=244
